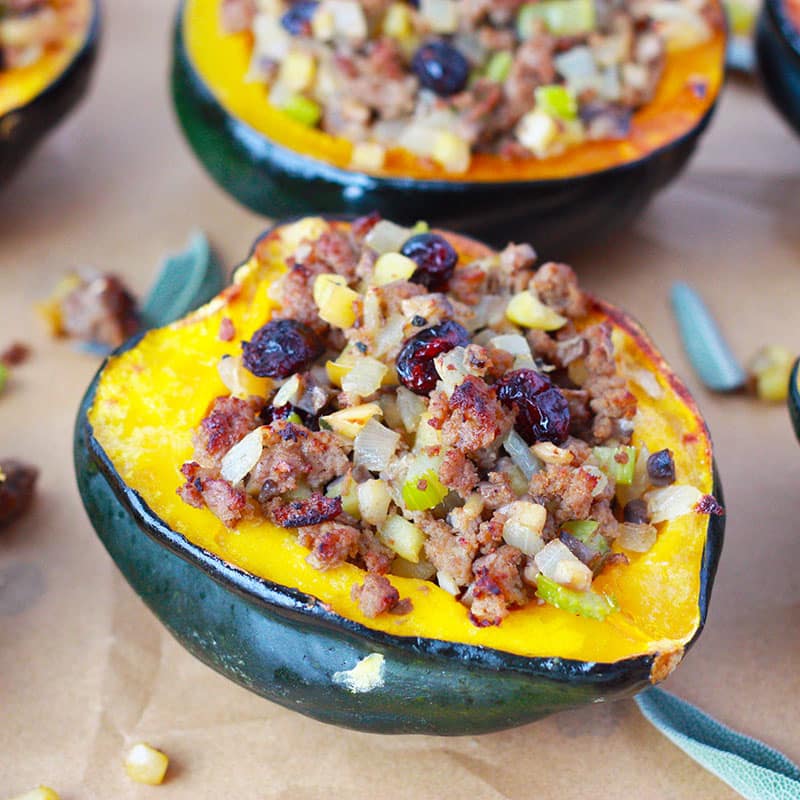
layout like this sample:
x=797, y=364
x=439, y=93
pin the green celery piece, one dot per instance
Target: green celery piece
x=561, y=17
x=580, y=528
x=585, y=530
x=416, y=499
x=499, y=66
x=557, y=101
x=585, y=604
x=295, y=418
x=607, y=461
x=420, y=227
x=303, y=110
x=3, y=376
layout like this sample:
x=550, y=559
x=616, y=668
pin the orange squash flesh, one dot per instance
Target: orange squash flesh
x=21, y=85
x=222, y=62
x=151, y=397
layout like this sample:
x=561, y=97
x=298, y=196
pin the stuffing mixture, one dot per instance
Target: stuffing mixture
x=28, y=28
x=421, y=414
x=445, y=79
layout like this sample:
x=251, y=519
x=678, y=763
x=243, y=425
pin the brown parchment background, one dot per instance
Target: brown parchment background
x=85, y=670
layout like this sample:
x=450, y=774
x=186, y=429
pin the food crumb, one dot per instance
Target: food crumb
x=17, y=485
x=15, y=354
x=227, y=331
x=93, y=308
x=145, y=764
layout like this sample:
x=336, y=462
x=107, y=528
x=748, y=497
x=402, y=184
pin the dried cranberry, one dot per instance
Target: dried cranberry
x=441, y=68
x=280, y=348
x=542, y=410
x=636, y=511
x=297, y=20
x=661, y=468
x=271, y=413
x=415, y=366
x=435, y=258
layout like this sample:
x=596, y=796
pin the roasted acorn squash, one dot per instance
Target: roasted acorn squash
x=247, y=603
x=36, y=98
x=276, y=166
x=778, y=50
x=794, y=397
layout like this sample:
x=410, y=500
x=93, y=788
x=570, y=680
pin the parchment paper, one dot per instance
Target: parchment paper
x=85, y=670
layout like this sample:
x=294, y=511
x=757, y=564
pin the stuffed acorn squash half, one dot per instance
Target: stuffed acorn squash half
x=778, y=50
x=398, y=481
x=559, y=118
x=47, y=50
x=794, y=397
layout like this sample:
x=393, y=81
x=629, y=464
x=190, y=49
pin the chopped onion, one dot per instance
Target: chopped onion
x=440, y=15
x=387, y=237
x=375, y=445
x=578, y=68
x=557, y=562
x=373, y=501
x=523, y=538
x=288, y=393
x=423, y=570
x=365, y=378
x=637, y=538
x=411, y=407
x=390, y=336
x=239, y=461
x=452, y=368
x=447, y=583
x=512, y=343
x=521, y=454
x=671, y=502
x=648, y=382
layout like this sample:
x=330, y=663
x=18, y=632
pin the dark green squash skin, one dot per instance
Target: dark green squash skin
x=778, y=52
x=559, y=215
x=21, y=129
x=794, y=398
x=285, y=645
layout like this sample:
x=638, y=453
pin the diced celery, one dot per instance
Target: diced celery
x=303, y=110
x=561, y=17
x=580, y=528
x=3, y=376
x=557, y=101
x=422, y=488
x=618, y=463
x=499, y=66
x=585, y=530
x=586, y=604
x=420, y=227
x=295, y=418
